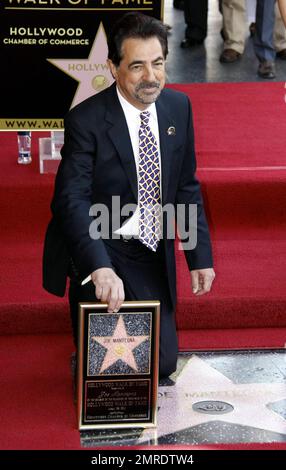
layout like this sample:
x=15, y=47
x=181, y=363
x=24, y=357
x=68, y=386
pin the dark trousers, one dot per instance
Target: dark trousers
x=144, y=277
x=263, y=39
x=196, y=19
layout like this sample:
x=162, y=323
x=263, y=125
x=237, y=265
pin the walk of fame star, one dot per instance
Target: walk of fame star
x=92, y=73
x=119, y=346
x=198, y=381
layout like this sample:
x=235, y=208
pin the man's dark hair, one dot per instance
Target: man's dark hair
x=135, y=25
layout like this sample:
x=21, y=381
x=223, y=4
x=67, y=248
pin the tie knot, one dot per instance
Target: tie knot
x=144, y=116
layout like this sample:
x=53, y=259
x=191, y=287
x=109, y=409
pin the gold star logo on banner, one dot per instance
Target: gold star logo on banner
x=92, y=73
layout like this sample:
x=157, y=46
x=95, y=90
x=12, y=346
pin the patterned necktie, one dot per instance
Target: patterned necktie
x=149, y=186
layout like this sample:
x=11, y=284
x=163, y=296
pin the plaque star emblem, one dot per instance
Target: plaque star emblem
x=119, y=346
x=92, y=73
x=198, y=382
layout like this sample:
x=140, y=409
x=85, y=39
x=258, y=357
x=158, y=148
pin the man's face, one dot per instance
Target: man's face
x=140, y=75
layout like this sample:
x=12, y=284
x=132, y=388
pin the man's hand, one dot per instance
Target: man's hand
x=202, y=280
x=108, y=288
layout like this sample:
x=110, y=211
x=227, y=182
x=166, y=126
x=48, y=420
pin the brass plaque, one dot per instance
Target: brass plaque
x=118, y=354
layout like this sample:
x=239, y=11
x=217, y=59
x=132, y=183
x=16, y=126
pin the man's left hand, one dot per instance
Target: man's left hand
x=202, y=280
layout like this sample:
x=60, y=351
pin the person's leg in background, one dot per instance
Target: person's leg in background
x=279, y=37
x=196, y=19
x=234, y=25
x=179, y=4
x=263, y=39
x=251, y=13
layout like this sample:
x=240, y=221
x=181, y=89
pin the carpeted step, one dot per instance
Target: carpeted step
x=249, y=251
x=36, y=392
x=245, y=204
x=239, y=204
x=238, y=124
x=241, y=164
x=231, y=339
x=247, y=293
x=249, y=289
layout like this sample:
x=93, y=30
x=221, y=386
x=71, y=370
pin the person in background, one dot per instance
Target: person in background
x=196, y=19
x=135, y=141
x=282, y=6
x=279, y=35
x=178, y=4
x=263, y=38
x=234, y=23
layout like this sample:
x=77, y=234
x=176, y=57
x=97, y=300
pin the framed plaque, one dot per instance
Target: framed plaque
x=118, y=356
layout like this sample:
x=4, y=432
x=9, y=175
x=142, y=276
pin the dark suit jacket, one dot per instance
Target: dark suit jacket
x=98, y=163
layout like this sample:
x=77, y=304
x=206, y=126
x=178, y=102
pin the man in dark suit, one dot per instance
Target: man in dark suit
x=112, y=142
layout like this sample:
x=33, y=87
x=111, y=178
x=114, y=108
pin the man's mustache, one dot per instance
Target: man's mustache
x=146, y=85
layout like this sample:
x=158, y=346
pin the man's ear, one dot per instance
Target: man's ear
x=112, y=68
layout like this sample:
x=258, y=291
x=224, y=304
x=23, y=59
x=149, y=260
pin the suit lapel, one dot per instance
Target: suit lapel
x=120, y=137
x=166, y=144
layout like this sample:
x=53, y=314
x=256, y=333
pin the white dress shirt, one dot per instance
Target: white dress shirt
x=132, y=116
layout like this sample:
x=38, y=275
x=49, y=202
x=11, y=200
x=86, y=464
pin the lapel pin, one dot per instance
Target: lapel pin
x=171, y=130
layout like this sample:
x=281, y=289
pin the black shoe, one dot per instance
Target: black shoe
x=179, y=4
x=281, y=54
x=166, y=382
x=266, y=69
x=168, y=28
x=186, y=43
x=252, y=27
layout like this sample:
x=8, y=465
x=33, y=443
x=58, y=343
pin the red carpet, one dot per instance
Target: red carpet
x=37, y=409
x=246, y=210
x=239, y=124
x=240, y=141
